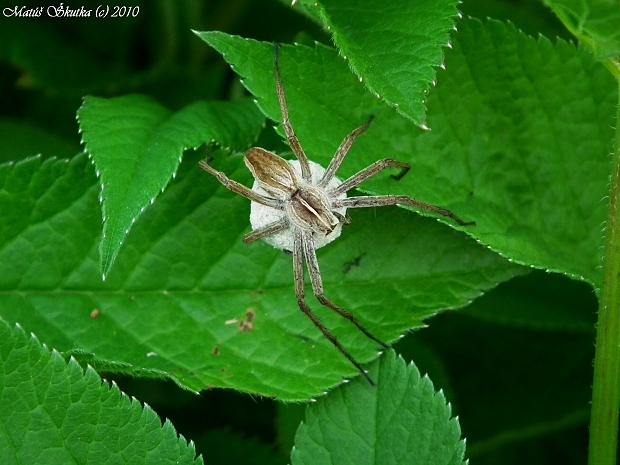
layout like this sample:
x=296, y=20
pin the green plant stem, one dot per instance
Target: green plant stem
x=606, y=385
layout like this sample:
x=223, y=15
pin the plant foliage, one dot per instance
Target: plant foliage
x=55, y=412
x=507, y=130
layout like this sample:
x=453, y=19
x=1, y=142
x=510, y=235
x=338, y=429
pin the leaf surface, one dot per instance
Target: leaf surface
x=169, y=306
x=173, y=303
x=393, y=47
x=401, y=420
x=595, y=22
x=53, y=412
x=136, y=145
x=521, y=132
x=529, y=125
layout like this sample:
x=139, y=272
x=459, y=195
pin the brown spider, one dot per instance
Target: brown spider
x=305, y=213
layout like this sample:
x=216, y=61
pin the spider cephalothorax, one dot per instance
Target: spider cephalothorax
x=299, y=206
x=307, y=207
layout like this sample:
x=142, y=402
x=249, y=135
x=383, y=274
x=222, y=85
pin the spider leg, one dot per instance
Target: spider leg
x=368, y=172
x=342, y=151
x=385, y=200
x=240, y=188
x=298, y=272
x=293, y=142
x=317, y=286
x=267, y=230
x=344, y=219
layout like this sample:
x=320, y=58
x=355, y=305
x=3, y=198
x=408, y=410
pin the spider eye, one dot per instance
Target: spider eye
x=272, y=172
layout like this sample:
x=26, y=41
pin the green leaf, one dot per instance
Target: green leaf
x=394, y=47
x=401, y=420
x=184, y=275
x=326, y=102
x=137, y=144
x=529, y=16
x=531, y=134
x=54, y=412
x=595, y=22
x=519, y=144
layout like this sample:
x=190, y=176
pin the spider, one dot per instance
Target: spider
x=300, y=206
